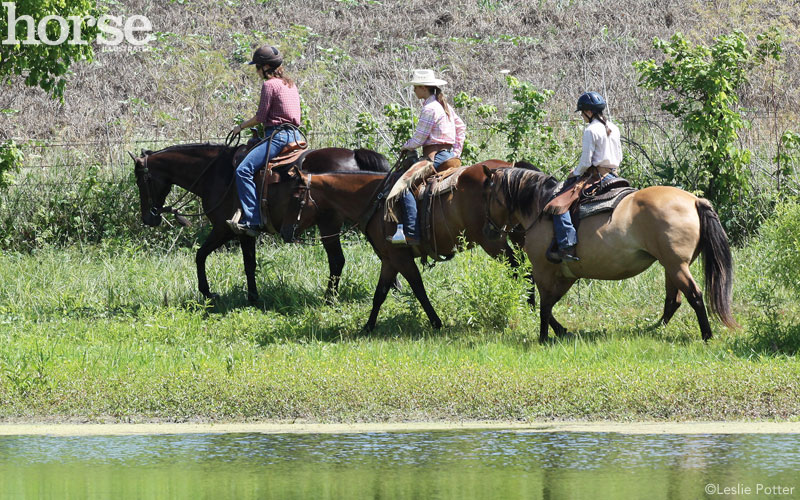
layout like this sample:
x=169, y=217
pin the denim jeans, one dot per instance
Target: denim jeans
x=565, y=233
x=410, y=203
x=255, y=160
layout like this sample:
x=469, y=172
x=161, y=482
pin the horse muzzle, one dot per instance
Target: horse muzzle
x=288, y=232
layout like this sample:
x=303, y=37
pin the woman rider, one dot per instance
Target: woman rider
x=602, y=154
x=440, y=133
x=279, y=106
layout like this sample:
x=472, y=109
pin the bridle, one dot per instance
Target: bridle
x=156, y=210
x=505, y=228
x=304, y=197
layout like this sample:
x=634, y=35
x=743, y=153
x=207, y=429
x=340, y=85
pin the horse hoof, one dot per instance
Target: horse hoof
x=252, y=299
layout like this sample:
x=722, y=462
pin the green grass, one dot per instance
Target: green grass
x=120, y=334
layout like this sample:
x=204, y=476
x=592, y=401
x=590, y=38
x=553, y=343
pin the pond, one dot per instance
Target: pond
x=427, y=465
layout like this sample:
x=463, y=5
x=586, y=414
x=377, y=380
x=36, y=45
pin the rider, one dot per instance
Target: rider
x=602, y=154
x=279, y=106
x=440, y=132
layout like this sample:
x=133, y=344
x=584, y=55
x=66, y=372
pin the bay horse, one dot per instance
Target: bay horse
x=351, y=194
x=658, y=223
x=207, y=171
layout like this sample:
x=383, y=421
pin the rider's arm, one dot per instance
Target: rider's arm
x=461, y=133
x=424, y=127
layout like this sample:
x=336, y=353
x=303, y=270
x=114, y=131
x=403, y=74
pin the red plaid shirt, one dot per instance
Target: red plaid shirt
x=279, y=104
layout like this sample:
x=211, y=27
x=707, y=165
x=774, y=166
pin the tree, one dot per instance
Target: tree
x=702, y=83
x=24, y=52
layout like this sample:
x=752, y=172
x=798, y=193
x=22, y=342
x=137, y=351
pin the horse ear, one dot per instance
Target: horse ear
x=132, y=157
x=487, y=171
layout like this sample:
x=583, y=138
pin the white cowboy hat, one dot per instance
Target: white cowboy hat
x=427, y=78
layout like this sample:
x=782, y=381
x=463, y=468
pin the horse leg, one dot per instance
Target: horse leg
x=333, y=248
x=682, y=278
x=248, y=244
x=385, y=281
x=218, y=237
x=672, y=301
x=408, y=268
x=549, y=296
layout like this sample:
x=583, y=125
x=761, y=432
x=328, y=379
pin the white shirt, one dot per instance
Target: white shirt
x=599, y=148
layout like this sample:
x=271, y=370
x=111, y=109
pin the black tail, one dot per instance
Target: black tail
x=718, y=263
x=371, y=161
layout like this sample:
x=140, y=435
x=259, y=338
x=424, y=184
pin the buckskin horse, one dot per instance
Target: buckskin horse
x=658, y=223
x=352, y=196
x=207, y=171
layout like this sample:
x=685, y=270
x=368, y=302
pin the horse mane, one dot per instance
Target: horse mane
x=368, y=160
x=526, y=189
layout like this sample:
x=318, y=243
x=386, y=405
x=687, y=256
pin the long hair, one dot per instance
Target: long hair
x=277, y=73
x=602, y=120
x=440, y=97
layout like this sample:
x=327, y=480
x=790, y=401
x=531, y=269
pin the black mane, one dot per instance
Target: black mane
x=526, y=189
x=369, y=160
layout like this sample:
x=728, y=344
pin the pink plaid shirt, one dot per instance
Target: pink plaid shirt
x=279, y=104
x=435, y=127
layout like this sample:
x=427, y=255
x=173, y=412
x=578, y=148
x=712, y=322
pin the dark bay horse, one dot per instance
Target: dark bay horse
x=462, y=213
x=658, y=223
x=206, y=170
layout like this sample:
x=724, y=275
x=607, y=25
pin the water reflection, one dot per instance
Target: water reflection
x=462, y=464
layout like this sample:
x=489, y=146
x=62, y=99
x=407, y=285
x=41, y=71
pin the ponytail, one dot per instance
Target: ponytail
x=599, y=116
x=440, y=98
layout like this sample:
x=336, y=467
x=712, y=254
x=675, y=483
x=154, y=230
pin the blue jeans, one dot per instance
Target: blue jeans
x=410, y=203
x=255, y=160
x=566, y=236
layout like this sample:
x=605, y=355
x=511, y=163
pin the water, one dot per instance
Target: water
x=425, y=465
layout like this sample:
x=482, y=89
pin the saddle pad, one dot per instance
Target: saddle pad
x=605, y=203
x=446, y=181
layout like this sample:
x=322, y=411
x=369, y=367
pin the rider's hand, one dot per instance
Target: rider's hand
x=237, y=129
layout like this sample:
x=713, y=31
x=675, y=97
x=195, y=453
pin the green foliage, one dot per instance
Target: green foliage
x=788, y=155
x=10, y=160
x=401, y=123
x=703, y=84
x=780, y=238
x=366, y=131
x=527, y=136
x=45, y=65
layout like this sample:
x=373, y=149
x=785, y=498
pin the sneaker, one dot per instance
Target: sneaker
x=399, y=238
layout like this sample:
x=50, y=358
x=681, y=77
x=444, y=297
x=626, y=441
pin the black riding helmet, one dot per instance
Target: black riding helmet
x=267, y=56
x=591, y=101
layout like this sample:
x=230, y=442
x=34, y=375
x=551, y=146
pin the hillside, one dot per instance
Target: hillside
x=354, y=55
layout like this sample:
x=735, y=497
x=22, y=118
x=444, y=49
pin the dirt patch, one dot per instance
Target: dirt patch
x=69, y=429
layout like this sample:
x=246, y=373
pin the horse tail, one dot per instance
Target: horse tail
x=718, y=263
x=370, y=161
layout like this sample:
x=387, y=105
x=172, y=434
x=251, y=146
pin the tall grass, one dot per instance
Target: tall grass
x=98, y=334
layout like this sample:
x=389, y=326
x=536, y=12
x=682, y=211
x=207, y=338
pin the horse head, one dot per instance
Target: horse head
x=300, y=208
x=152, y=189
x=499, y=218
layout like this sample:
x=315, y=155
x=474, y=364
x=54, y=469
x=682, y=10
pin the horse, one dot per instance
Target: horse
x=207, y=171
x=657, y=223
x=352, y=196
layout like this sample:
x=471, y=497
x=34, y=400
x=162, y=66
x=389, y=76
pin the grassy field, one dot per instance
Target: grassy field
x=99, y=334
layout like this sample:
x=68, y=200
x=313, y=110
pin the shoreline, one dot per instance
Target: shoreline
x=633, y=428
